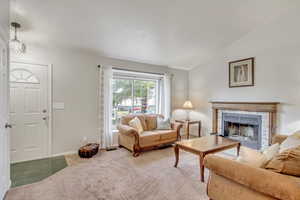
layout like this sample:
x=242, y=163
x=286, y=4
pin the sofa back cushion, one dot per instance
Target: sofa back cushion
x=151, y=121
x=148, y=121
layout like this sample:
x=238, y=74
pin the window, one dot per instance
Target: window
x=134, y=93
x=23, y=76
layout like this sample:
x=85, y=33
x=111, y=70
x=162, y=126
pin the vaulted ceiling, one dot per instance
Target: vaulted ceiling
x=175, y=33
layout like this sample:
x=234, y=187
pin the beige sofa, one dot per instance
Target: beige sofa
x=150, y=138
x=232, y=180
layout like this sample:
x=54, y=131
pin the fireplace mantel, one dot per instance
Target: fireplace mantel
x=267, y=107
x=245, y=106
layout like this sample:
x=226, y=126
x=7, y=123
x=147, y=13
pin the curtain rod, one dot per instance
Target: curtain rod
x=130, y=70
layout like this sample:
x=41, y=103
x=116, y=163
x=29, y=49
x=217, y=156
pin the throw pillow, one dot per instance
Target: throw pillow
x=257, y=159
x=271, y=151
x=251, y=157
x=136, y=124
x=296, y=134
x=287, y=162
x=163, y=124
x=289, y=142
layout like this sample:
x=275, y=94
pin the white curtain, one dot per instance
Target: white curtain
x=105, y=106
x=165, y=100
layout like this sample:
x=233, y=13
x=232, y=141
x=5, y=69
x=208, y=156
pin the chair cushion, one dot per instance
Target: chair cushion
x=149, y=137
x=156, y=136
x=167, y=134
x=287, y=162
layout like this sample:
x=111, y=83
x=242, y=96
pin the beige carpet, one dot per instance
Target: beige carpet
x=74, y=159
x=116, y=175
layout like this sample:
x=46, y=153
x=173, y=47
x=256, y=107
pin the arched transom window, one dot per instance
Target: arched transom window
x=23, y=76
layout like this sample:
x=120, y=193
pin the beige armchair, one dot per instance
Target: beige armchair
x=150, y=138
x=232, y=180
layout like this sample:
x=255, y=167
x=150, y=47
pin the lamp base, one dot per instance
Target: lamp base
x=187, y=115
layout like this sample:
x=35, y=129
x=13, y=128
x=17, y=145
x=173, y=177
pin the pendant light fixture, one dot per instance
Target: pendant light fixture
x=16, y=45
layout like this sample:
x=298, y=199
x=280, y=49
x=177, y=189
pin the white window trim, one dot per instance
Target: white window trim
x=143, y=76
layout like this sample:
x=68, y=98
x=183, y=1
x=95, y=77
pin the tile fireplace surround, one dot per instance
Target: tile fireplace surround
x=267, y=111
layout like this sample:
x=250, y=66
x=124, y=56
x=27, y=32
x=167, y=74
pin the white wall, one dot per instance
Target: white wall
x=4, y=134
x=4, y=19
x=75, y=84
x=276, y=48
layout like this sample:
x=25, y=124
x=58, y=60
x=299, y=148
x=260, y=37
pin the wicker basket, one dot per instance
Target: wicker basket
x=89, y=150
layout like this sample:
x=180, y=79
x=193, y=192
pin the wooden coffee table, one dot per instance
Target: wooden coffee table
x=203, y=146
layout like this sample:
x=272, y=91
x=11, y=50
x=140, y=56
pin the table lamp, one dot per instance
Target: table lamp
x=188, y=106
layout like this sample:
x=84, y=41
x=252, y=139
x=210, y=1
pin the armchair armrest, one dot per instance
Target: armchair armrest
x=127, y=130
x=258, y=179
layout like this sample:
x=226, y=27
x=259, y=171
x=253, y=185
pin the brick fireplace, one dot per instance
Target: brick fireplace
x=251, y=123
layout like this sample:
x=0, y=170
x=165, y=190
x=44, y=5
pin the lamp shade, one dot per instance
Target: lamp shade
x=188, y=105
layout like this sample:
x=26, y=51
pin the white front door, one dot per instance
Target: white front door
x=4, y=131
x=29, y=112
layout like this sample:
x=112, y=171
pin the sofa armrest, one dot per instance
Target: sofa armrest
x=127, y=130
x=258, y=179
x=278, y=138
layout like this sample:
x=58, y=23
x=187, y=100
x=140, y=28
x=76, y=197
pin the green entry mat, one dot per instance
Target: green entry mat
x=27, y=172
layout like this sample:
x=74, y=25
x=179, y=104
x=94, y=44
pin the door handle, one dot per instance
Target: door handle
x=7, y=125
x=44, y=118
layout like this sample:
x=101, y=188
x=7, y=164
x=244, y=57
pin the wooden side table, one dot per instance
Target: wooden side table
x=188, y=123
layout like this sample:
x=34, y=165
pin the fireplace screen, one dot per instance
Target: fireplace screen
x=244, y=128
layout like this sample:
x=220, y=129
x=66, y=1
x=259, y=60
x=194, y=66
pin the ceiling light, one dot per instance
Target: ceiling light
x=16, y=45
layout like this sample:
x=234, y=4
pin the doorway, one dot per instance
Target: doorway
x=4, y=125
x=30, y=111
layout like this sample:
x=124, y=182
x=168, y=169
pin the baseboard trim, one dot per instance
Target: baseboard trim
x=48, y=156
x=2, y=196
x=64, y=153
x=9, y=184
x=6, y=188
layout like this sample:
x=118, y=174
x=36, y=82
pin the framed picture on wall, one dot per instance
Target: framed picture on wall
x=241, y=73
